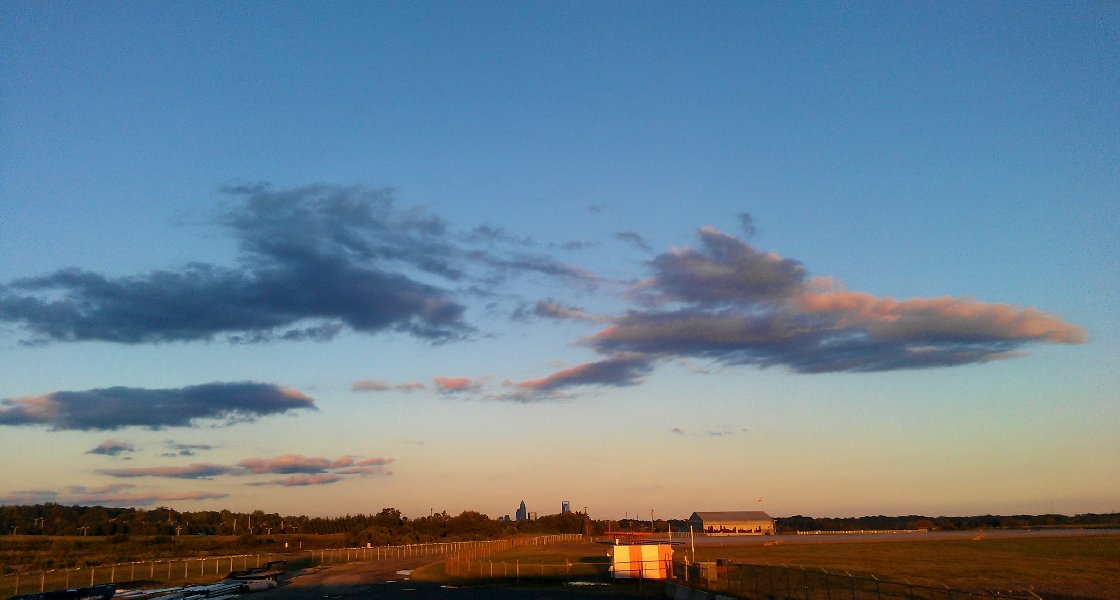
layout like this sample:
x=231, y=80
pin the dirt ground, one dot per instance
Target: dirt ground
x=380, y=579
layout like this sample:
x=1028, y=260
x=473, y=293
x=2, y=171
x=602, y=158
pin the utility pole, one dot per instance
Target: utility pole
x=651, y=520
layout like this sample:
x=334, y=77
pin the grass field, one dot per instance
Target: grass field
x=977, y=563
x=1085, y=567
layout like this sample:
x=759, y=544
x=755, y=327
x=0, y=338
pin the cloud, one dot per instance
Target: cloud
x=302, y=480
x=618, y=372
x=730, y=303
x=555, y=310
x=314, y=260
x=195, y=471
x=18, y=497
x=377, y=385
x=369, y=466
x=490, y=235
x=746, y=224
x=118, y=407
x=315, y=471
x=112, y=448
x=450, y=385
x=634, y=239
x=940, y=319
x=111, y=495
x=724, y=272
x=303, y=470
x=295, y=463
x=179, y=449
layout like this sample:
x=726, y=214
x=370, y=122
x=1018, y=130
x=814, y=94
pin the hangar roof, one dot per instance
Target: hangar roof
x=732, y=515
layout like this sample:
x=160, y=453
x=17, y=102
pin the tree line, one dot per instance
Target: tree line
x=389, y=526
x=386, y=527
x=881, y=522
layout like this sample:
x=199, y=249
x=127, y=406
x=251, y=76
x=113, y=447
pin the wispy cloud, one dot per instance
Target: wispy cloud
x=295, y=463
x=453, y=385
x=618, y=372
x=112, y=448
x=634, y=239
x=305, y=470
x=319, y=471
x=378, y=385
x=747, y=225
x=302, y=480
x=195, y=471
x=180, y=449
x=118, y=407
x=112, y=495
x=555, y=310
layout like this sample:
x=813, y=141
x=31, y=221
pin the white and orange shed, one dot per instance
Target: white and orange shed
x=642, y=561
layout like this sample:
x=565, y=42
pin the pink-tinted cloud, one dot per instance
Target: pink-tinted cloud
x=369, y=466
x=303, y=480
x=555, y=310
x=618, y=371
x=940, y=318
x=112, y=448
x=735, y=305
x=112, y=495
x=377, y=385
x=295, y=463
x=455, y=384
x=195, y=471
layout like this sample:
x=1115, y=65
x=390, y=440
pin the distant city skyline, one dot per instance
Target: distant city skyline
x=851, y=259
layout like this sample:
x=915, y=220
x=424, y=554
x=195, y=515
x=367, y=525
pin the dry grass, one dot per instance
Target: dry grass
x=1087, y=567
x=976, y=563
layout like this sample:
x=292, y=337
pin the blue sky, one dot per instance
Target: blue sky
x=846, y=259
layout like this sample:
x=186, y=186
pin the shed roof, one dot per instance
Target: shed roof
x=732, y=515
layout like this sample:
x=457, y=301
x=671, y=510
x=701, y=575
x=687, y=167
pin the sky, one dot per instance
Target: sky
x=811, y=258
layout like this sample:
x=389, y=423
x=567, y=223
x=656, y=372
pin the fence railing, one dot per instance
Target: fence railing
x=519, y=571
x=170, y=572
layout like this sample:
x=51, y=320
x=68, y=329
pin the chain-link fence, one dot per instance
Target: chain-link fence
x=175, y=572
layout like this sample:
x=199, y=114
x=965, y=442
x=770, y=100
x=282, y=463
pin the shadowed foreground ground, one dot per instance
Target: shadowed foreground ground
x=380, y=580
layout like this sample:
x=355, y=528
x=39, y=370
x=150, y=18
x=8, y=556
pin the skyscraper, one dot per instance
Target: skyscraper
x=522, y=512
x=565, y=507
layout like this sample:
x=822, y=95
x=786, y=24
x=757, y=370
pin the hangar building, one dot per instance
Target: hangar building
x=732, y=522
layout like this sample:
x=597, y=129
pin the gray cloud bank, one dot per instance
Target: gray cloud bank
x=732, y=304
x=313, y=260
x=117, y=407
